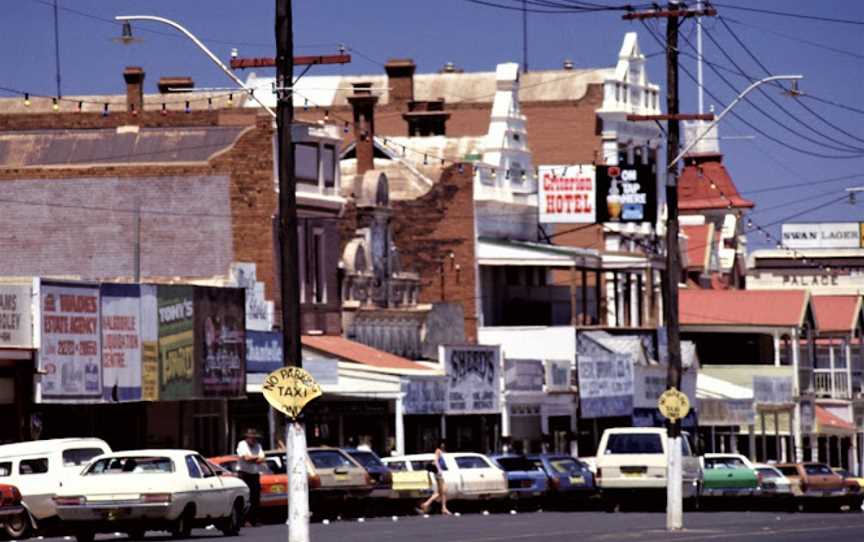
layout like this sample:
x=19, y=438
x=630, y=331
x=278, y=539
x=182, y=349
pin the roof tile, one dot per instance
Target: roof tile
x=359, y=353
x=780, y=308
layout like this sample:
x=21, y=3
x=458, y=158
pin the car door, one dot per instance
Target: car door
x=200, y=496
x=217, y=495
x=476, y=473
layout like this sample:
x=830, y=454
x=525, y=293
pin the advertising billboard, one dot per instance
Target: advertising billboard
x=121, y=342
x=221, y=342
x=568, y=194
x=175, y=309
x=70, y=356
x=473, y=379
x=626, y=193
x=823, y=235
x=16, y=322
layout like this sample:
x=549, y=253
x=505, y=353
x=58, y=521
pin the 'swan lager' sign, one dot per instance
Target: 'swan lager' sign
x=290, y=389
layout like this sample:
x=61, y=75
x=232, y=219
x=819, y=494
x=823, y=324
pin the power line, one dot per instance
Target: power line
x=797, y=39
x=798, y=185
x=793, y=15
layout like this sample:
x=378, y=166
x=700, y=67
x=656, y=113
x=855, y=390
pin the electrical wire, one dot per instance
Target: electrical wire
x=797, y=39
x=806, y=17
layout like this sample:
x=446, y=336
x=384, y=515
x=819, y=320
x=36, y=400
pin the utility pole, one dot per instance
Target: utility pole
x=525, y=36
x=295, y=432
x=673, y=14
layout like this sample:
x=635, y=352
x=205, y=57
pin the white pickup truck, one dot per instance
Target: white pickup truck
x=468, y=476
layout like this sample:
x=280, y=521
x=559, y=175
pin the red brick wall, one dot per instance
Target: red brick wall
x=427, y=230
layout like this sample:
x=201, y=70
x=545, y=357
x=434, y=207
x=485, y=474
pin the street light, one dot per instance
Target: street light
x=735, y=102
x=127, y=38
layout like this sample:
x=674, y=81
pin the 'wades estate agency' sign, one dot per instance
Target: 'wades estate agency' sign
x=473, y=379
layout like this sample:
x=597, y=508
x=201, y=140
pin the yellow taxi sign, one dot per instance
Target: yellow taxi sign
x=673, y=404
x=290, y=389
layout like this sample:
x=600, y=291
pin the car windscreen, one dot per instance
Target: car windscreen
x=724, y=463
x=367, y=459
x=511, y=464
x=788, y=471
x=329, y=459
x=472, y=462
x=634, y=443
x=131, y=464
x=75, y=457
x=566, y=466
x=818, y=469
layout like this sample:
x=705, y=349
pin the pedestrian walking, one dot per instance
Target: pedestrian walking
x=440, y=490
x=250, y=466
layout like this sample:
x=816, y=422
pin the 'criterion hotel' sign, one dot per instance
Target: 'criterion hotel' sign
x=568, y=194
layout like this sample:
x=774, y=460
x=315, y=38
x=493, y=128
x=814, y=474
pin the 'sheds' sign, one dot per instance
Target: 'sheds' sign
x=568, y=194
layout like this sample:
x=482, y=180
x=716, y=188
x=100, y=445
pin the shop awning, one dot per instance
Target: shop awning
x=351, y=351
x=521, y=253
x=709, y=387
x=831, y=424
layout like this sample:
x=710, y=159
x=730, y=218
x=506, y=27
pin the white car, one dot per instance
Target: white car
x=467, y=476
x=772, y=482
x=40, y=468
x=632, y=462
x=150, y=490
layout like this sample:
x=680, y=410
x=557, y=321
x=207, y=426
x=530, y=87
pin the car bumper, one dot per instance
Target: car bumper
x=113, y=512
x=730, y=492
x=636, y=485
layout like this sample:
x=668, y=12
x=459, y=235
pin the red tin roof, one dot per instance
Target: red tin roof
x=694, y=185
x=836, y=313
x=359, y=353
x=699, y=242
x=770, y=308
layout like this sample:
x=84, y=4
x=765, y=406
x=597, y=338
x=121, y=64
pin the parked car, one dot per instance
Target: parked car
x=407, y=483
x=382, y=478
x=631, y=462
x=468, y=476
x=568, y=477
x=13, y=517
x=343, y=480
x=274, y=486
x=815, y=483
x=39, y=469
x=150, y=490
x=728, y=475
x=525, y=480
x=773, y=485
x=854, y=487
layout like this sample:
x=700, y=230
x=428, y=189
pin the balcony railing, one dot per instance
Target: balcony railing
x=833, y=384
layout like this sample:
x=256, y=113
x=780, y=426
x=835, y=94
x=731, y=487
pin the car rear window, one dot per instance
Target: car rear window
x=397, y=465
x=329, y=459
x=511, y=464
x=472, y=462
x=789, y=471
x=75, y=457
x=634, y=443
x=133, y=464
x=724, y=463
x=767, y=473
x=566, y=466
x=818, y=469
x=367, y=459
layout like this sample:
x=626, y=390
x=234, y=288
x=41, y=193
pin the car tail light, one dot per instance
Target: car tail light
x=68, y=501
x=156, y=498
x=369, y=480
x=314, y=481
x=555, y=483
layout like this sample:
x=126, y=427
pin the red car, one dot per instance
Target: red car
x=13, y=517
x=274, y=485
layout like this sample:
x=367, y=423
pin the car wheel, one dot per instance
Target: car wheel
x=85, y=536
x=609, y=505
x=232, y=524
x=136, y=534
x=18, y=527
x=183, y=526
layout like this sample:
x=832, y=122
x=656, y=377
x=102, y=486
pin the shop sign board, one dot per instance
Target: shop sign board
x=518, y=410
x=121, y=342
x=772, y=390
x=823, y=235
x=263, y=351
x=626, y=193
x=605, y=385
x=568, y=194
x=726, y=412
x=424, y=395
x=16, y=322
x=651, y=381
x=259, y=311
x=523, y=374
x=473, y=379
x=220, y=333
x=149, y=327
x=177, y=375
x=290, y=389
x=70, y=356
x=325, y=371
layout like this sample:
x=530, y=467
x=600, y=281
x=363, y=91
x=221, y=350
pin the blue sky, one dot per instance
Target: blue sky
x=475, y=37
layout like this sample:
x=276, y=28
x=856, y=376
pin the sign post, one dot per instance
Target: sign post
x=674, y=406
x=289, y=390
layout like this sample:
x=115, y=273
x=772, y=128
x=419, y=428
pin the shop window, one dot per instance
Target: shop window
x=301, y=264
x=317, y=268
x=306, y=163
x=328, y=165
x=33, y=466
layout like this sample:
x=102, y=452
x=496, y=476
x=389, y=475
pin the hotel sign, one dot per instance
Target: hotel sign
x=824, y=235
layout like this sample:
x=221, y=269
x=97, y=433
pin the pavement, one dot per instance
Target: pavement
x=554, y=526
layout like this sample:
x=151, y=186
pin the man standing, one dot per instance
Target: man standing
x=250, y=465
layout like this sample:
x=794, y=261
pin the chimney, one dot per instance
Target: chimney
x=363, y=103
x=568, y=64
x=400, y=80
x=174, y=84
x=426, y=118
x=134, y=76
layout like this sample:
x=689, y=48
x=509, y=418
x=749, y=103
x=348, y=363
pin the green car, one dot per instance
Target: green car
x=728, y=475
